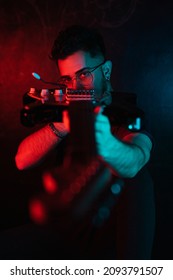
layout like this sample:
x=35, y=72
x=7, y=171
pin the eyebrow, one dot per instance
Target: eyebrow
x=80, y=70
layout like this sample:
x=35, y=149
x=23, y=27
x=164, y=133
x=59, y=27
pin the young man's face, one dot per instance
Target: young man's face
x=80, y=62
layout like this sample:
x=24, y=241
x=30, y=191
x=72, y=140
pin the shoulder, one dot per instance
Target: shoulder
x=125, y=102
x=124, y=111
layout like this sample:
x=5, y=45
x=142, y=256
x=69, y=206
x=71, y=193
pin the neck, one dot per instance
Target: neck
x=82, y=146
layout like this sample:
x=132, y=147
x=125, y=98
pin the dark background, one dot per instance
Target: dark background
x=139, y=36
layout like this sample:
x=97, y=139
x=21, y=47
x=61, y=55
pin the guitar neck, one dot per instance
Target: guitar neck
x=82, y=144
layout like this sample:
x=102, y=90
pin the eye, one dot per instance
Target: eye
x=65, y=80
x=83, y=75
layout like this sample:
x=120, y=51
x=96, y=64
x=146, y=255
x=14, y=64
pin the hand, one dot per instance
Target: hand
x=103, y=135
x=64, y=126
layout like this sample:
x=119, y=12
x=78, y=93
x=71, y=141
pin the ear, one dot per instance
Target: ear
x=107, y=69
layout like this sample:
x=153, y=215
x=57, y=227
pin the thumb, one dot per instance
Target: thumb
x=98, y=110
x=66, y=119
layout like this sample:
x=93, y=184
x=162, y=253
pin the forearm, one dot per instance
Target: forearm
x=126, y=158
x=36, y=147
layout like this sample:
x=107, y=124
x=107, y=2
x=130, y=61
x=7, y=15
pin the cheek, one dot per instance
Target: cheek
x=98, y=85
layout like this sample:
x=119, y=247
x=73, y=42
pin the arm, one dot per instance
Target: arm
x=126, y=156
x=34, y=148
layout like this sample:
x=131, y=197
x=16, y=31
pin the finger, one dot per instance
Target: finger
x=98, y=110
x=101, y=119
x=98, y=136
x=66, y=119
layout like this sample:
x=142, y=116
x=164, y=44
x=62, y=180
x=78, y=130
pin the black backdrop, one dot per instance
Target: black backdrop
x=139, y=37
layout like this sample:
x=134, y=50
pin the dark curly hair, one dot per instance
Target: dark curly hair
x=76, y=38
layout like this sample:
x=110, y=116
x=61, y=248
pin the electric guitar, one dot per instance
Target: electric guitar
x=75, y=188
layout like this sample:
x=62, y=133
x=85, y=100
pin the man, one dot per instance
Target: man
x=80, y=55
x=73, y=57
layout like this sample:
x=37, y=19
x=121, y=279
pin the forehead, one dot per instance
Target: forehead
x=75, y=62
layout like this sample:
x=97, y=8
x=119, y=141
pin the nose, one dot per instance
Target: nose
x=75, y=84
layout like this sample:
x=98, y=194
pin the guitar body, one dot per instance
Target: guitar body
x=84, y=176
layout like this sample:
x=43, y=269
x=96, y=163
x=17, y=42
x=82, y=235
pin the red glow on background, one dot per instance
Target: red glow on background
x=37, y=212
x=49, y=183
